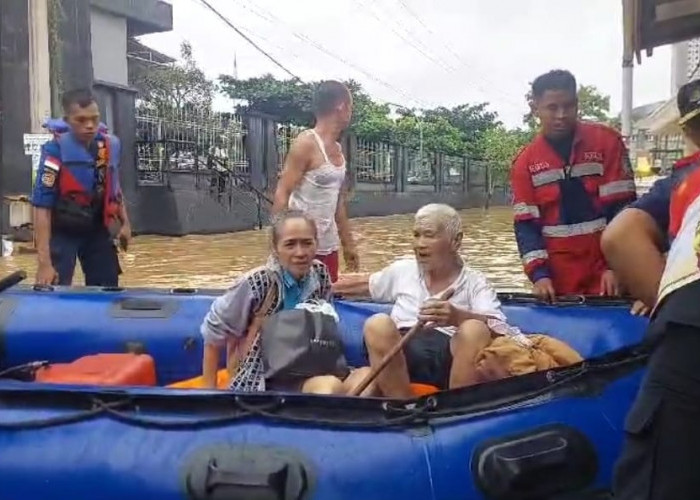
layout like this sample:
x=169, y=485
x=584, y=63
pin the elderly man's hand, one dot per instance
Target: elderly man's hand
x=439, y=313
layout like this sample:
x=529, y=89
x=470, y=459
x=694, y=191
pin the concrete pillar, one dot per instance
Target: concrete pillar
x=39, y=64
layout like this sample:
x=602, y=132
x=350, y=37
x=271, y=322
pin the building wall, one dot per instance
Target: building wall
x=108, y=47
x=185, y=206
x=685, y=63
x=74, y=58
x=15, y=174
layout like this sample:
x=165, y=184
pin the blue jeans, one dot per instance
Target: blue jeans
x=97, y=255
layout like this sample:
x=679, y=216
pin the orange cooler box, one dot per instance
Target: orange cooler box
x=102, y=369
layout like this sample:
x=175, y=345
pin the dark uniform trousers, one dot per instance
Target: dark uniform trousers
x=96, y=253
x=661, y=454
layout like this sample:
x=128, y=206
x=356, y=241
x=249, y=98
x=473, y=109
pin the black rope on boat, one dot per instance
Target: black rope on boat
x=397, y=413
x=30, y=367
x=528, y=298
x=96, y=411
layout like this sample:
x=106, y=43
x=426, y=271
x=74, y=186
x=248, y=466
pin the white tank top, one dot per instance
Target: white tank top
x=317, y=195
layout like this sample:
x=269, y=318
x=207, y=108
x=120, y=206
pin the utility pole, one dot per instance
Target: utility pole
x=627, y=70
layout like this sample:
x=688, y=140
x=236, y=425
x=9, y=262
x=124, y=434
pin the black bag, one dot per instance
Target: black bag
x=298, y=343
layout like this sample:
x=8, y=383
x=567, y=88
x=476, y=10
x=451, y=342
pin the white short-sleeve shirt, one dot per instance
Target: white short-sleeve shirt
x=402, y=284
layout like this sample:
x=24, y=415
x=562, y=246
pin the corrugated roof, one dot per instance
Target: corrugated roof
x=651, y=23
x=145, y=53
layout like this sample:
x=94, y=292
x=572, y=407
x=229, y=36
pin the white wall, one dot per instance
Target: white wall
x=108, y=45
x=679, y=66
x=685, y=57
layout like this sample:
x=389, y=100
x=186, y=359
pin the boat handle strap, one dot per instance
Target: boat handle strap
x=219, y=477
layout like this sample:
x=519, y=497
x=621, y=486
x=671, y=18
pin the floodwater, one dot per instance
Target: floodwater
x=214, y=261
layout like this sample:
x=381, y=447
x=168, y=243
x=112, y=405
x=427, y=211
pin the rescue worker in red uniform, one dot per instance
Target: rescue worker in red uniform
x=654, y=247
x=568, y=183
x=78, y=204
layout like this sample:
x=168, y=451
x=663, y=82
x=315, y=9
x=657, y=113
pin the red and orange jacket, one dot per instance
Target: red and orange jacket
x=561, y=207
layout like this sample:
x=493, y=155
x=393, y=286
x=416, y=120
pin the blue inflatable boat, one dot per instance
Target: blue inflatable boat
x=544, y=436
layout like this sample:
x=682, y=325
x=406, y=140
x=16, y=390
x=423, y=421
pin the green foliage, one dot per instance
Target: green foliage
x=289, y=100
x=173, y=88
x=470, y=122
x=370, y=120
x=456, y=131
x=500, y=148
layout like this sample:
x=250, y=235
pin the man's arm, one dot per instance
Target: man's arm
x=44, y=194
x=295, y=166
x=381, y=286
x=617, y=189
x=42, y=234
x=356, y=285
x=635, y=241
x=528, y=229
x=123, y=214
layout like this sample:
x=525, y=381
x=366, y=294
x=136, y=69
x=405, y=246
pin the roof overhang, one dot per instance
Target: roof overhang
x=652, y=23
x=142, y=16
x=662, y=121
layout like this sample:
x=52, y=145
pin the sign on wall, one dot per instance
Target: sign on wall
x=32, y=146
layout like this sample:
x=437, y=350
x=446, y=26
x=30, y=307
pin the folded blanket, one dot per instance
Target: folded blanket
x=505, y=357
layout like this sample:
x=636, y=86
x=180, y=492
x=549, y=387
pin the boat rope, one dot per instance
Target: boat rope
x=528, y=298
x=421, y=411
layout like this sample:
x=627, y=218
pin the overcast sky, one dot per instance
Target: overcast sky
x=421, y=52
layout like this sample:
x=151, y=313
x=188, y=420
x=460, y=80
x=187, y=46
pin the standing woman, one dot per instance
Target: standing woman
x=231, y=322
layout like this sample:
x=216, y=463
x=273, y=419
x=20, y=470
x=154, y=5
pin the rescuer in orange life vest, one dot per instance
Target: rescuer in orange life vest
x=78, y=204
x=568, y=183
x=662, y=433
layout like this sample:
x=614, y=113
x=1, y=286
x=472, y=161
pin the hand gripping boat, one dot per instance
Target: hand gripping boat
x=545, y=435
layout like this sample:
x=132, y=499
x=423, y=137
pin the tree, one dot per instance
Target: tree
x=455, y=131
x=438, y=135
x=290, y=102
x=500, y=148
x=173, y=88
x=592, y=106
x=370, y=120
x=470, y=120
x=287, y=100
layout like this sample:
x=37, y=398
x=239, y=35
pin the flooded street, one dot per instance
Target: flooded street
x=213, y=261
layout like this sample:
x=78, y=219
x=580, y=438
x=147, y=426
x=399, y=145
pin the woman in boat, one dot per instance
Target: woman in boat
x=465, y=339
x=231, y=321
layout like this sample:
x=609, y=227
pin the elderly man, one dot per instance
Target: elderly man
x=444, y=352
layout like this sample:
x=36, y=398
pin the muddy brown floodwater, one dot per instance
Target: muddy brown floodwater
x=214, y=261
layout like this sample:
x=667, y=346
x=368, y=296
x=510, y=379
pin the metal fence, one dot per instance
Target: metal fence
x=286, y=134
x=374, y=162
x=397, y=167
x=178, y=141
x=210, y=151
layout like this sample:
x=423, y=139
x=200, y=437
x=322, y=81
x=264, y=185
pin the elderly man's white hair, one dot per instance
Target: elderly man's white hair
x=443, y=215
